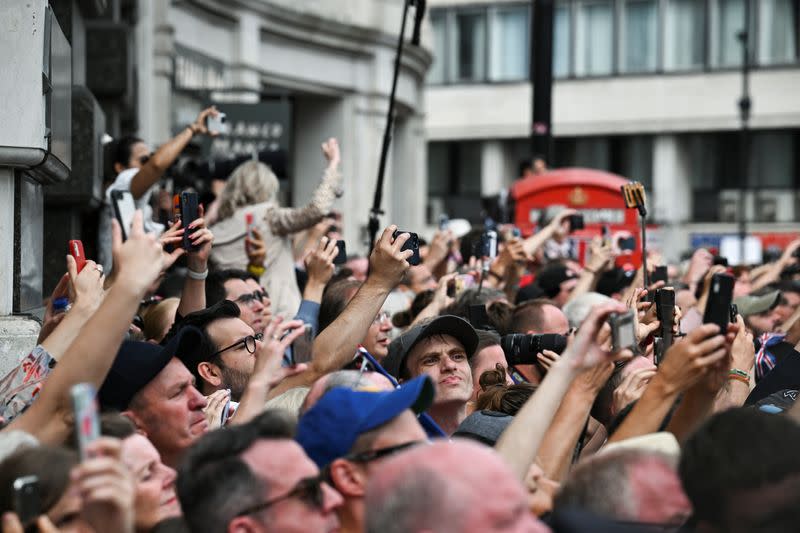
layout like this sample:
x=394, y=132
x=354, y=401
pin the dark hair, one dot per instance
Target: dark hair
x=215, y=283
x=497, y=396
x=335, y=299
x=214, y=483
x=601, y=409
x=201, y=320
x=50, y=464
x=122, y=150
x=112, y=424
x=175, y=524
x=529, y=316
x=469, y=297
x=738, y=450
x=486, y=339
x=403, y=319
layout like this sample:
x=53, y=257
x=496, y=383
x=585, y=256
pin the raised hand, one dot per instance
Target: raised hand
x=547, y=359
x=216, y=403
x=199, y=125
x=255, y=248
x=86, y=288
x=319, y=262
x=387, y=262
x=330, y=149
x=11, y=524
x=269, y=354
x=631, y=388
x=202, y=239
x=690, y=359
x=107, y=487
x=138, y=261
x=586, y=350
x=52, y=319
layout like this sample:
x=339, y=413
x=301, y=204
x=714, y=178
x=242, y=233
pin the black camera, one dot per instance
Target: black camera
x=411, y=244
x=486, y=247
x=521, y=349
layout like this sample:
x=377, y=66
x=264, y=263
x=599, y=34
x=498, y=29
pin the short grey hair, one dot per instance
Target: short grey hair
x=419, y=499
x=602, y=484
x=579, y=307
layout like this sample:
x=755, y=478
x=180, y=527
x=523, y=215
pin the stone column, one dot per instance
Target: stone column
x=672, y=192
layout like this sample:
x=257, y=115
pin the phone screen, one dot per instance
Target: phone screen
x=124, y=209
x=302, y=347
x=718, y=308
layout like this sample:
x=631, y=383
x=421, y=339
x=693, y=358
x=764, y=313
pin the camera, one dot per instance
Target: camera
x=576, y=222
x=521, y=349
x=411, y=244
x=487, y=246
x=623, y=332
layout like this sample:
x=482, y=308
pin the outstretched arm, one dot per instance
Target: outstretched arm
x=89, y=358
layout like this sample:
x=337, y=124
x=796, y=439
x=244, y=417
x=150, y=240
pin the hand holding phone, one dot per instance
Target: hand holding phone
x=27, y=501
x=76, y=251
x=623, y=331
x=124, y=209
x=87, y=425
x=189, y=213
x=341, y=255
x=302, y=347
x=411, y=244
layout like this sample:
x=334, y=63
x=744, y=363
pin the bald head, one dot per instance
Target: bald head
x=430, y=488
x=349, y=379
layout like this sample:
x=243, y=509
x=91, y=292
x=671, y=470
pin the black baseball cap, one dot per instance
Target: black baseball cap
x=484, y=426
x=443, y=325
x=551, y=277
x=137, y=363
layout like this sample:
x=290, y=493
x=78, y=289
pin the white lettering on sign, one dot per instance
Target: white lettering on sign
x=603, y=215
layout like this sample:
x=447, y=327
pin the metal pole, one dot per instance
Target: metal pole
x=745, y=105
x=541, y=76
x=375, y=212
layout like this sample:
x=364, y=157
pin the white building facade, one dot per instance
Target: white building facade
x=328, y=63
x=644, y=88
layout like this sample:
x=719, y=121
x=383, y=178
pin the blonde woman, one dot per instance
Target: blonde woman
x=252, y=190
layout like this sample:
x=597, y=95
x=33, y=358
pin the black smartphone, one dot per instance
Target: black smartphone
x=124, y=209
x=411, y=244
x=665, y=305
x=451, y=288
x=189, y=213
x=341, y=256
x=576, y=222
x=718, y=307
x=659, y=274
x=720, y=260
x=27, y=501
x=623, y=332
x=488, y=245
x=734, y=312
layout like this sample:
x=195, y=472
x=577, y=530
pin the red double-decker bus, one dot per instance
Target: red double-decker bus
x=593, y=193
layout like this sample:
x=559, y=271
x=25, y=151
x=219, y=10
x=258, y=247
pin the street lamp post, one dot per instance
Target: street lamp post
x=541, y=76
x=745, y=105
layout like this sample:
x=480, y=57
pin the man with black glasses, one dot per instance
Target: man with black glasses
x=239, y=287
x=349, y=431
x=254, y=477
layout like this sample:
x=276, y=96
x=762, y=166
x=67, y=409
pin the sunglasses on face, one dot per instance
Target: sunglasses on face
x=374, y=455
x=249, y=344
x=308, y=490
x=249, y=298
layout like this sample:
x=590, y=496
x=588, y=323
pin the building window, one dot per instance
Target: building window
x=594, y=42
x=772, y=160
x=684, y=42
x=509, y=47
x=562, y=40
x=639, y=39
x=728, y=22
x=468, y=46
x=437, y=73
x=777, y=32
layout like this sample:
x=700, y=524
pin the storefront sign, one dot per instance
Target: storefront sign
x=253, y=128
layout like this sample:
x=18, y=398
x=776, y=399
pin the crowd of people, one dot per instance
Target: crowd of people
x=255, y=382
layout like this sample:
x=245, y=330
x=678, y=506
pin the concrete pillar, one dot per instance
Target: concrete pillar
x=672, y=193
x=154, y=52
x=493, y=169
x=6, y=241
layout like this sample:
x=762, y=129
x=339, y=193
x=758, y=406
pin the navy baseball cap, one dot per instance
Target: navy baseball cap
x=443, y=325
x=329, y=429
x=137, y=363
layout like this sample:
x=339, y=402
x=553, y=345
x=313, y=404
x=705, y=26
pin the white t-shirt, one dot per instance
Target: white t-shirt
x=123, y=183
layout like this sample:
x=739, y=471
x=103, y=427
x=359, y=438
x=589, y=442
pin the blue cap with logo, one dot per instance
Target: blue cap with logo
x=330, y=428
